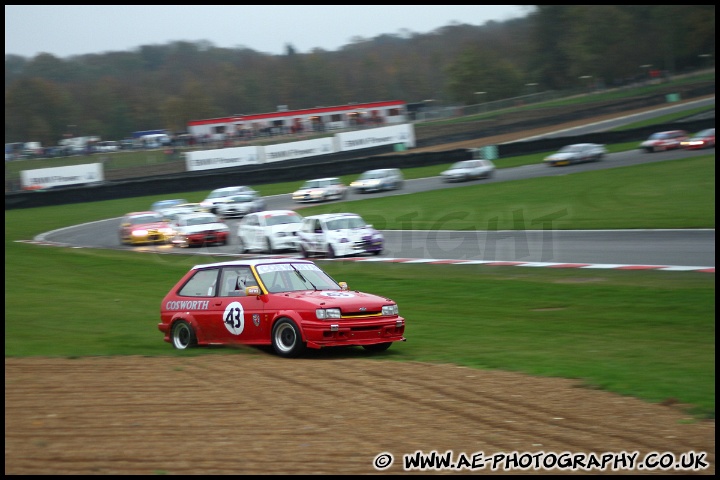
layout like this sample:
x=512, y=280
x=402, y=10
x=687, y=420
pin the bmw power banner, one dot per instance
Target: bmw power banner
x=42, y=178
x=222, y=157
x=392, y=135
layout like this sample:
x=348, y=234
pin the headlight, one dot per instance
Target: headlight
x=389, y=310
x=166, y=231
x=325, y=313
x=139, y=233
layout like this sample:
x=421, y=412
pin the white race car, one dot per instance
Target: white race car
x=339, y=235
x=269, y=231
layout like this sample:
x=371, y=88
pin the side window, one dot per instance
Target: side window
x=234, y=280
x=202, y=284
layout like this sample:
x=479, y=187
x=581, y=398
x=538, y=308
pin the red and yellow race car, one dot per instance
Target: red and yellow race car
x=138, y=228
x=288, y=303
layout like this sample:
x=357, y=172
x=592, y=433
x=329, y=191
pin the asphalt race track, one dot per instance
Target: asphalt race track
x=623, y=249
x=677, y=249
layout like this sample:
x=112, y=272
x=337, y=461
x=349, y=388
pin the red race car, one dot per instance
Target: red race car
x=288, y=303
x=199, y=229
x=662, y=141
x=703, y=139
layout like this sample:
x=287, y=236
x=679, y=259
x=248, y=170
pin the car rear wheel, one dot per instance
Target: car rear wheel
x=330, y=252
x=241, y=245
x=286, y=339
x=182, y=335
x=377, y=347
x=304, y=252
x=269, y=248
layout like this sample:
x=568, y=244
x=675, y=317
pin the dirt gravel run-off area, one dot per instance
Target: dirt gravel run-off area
x=256, y=413
x=328, y=413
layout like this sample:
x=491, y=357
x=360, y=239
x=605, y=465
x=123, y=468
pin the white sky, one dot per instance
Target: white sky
x=65, y=30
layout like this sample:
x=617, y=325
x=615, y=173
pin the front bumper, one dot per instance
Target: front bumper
x=359, y=247
x=291, y=242
x=151, y=238
x=335, y=333
x=307, y=198
x=199, y=239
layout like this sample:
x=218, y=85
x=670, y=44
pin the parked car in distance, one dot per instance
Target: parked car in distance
x=662, y=141
x=378, y=180
x=468, y=170
x=138, y=228
x=576, y=153
x=290, y=304
x=239, y=205
x=269, y=231
x=106, y=146
x=702, y=139
x=339, y=235
x=221, y=194
x=199, y=229
x=320, y=189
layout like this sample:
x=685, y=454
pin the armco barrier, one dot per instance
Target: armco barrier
x=295, y=170
x=314, y=167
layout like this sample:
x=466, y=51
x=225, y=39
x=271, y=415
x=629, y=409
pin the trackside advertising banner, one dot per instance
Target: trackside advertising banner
x=61, y=176
x=222, y=158
x=304, y=148
x=374, y=137
x=356, y=140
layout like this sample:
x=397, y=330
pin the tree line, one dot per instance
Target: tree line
x=164, y=86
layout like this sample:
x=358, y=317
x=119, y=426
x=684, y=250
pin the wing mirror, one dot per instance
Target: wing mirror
x=343, y=286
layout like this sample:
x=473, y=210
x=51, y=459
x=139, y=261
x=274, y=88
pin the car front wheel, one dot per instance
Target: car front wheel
x=286, y=339
x=182, y=335
x=270, y=249
x=241, y=245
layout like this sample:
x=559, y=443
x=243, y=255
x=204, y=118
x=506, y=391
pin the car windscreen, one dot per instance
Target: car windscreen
x=220, y=193
x=570, y=148
x=167, y=203
x=142, y=219
x=370, y=175
x=288, y=277
x=464, y=164
x=242, y=198
x=201, y=220
x=345, y=223
x=282, y=219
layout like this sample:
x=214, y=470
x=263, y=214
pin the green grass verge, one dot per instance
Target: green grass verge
x=646, y=334
x=672, y=194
